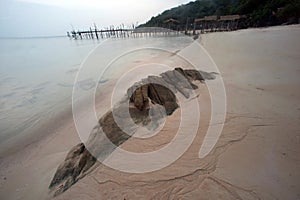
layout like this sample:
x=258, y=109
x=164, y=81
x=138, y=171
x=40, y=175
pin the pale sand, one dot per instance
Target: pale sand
x=257, y=156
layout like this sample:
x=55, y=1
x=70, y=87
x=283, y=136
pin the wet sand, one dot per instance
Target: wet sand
x=257, y=156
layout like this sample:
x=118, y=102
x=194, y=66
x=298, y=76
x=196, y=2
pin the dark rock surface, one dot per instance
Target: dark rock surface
x=77, y=162
x=143, y=97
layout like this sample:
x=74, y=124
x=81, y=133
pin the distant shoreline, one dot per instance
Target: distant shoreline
x=34, y=37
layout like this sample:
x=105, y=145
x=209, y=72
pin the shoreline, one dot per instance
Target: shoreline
x=251, y=76
x=257, y=156
x=64, y=137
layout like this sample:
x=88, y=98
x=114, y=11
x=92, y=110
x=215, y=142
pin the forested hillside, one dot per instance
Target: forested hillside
x=259, y=12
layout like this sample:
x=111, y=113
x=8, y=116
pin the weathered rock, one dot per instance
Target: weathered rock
x=181, y=83
x=161, y=95
x=200, y=75
x=77, y=162
x=149, y=96
x=140, y=97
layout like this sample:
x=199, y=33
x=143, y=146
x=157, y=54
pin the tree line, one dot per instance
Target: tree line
x=259, y=12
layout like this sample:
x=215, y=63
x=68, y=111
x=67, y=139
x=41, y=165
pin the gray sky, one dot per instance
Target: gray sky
x=19, y=18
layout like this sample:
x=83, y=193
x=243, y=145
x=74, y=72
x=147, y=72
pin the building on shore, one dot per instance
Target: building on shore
x=172, y=24
x=218, y=23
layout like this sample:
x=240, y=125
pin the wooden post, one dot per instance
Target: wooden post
x=74, y=35
x=96, y=31
x=186, y=26
x=194, y=29
x=91, y=32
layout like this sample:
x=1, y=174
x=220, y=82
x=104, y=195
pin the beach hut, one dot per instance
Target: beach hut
x=211, y=22
x=199, y=24
x=230, y=22
x=215, y=23
x=171, y=24
x=206, y=24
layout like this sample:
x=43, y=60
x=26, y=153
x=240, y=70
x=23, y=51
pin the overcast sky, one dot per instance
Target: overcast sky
x=19, y=18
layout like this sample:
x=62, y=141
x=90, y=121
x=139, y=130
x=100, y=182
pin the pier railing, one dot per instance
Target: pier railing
x=122, y=33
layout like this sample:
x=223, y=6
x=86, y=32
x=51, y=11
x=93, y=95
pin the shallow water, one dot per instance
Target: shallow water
x=36, y=79
x=37, y=76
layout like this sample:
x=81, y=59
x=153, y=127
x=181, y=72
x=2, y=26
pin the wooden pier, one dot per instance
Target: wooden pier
x=121, y=33
x=170, y=27
x=99, y=34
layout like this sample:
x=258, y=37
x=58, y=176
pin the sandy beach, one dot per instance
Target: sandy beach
x=256, y=157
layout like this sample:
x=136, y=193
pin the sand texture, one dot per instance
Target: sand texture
x=256, y=157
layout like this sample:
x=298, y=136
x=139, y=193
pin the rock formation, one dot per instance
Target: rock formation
x=146, y=98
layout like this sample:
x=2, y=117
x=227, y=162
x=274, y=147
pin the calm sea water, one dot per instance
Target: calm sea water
x=37, y=75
